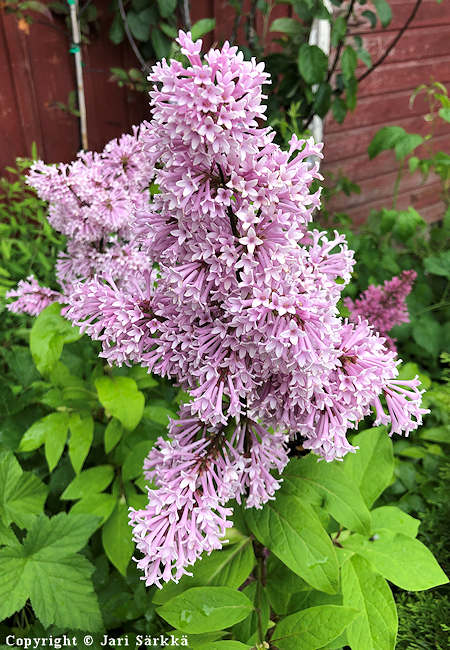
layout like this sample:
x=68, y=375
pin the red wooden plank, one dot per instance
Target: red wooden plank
x=430, y=13
x=12, y=139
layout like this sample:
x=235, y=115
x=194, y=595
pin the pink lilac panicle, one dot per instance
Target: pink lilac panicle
x=384, y=306
x=31, y=298
x=94, y=202
x=242, y=311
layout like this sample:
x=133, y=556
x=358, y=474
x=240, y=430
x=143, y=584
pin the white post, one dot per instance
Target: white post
x=76, y=50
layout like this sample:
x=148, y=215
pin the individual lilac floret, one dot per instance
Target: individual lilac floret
x=384, y=306
x=31, y=298
x=242, y=311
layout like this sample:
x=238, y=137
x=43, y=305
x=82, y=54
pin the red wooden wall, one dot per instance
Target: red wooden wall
x=36, y=71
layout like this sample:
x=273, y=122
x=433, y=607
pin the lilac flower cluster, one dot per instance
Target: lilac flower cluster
x=94, y=201
x=241, y=311
x=384, y=306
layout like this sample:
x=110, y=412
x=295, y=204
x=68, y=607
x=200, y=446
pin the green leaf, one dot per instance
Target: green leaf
x=312, y=63
x=113, y=434
x=56, y=441
x=385, y=138
x=406, y=145
x=437, y=434
x=206, y=609
x=291, y=529
x=339, y=109
x=427, y=333
x=372, y=466
x=394, y=519
x=384, y=11
x=100, y=505
x=122, y=399
x=328, y=485
x=166, y=7
x=58, y=537
x=116, y=31
x=88, y=482
x=371, y=17
x=202, y=27
x=366, y=591
x=22, y=494
x=51, y=427
x=400, y=559
x=348, y=63
x=338, y=30
x=15, y=583
x=286, y=26
x=444, y=113
x=134, y=462
x=62, y=594
x=47, y=337
x=249, y=629
x=160, y=43
x=322, y=99
x=81, y=436
x=438, y=264
x=58, y=585
x=228, y=568
x=116, y=538
x=312, y=628
x=139, y=24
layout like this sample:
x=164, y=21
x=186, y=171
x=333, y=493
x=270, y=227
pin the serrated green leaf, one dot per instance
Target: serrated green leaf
x=312, y=628
x=81, y=436
x=312, y=63
x=376, y=623
x=394, y=519
x=291, y=529
x=58, y=585
x=88, y=482
x=206, y=609
x=328, y=485
x=22, y=494
x=372, y=466
x=228, y=568
x=400, y=559
x=117, y=539
x=58, y=537
x=122, y=399
x=62, y=594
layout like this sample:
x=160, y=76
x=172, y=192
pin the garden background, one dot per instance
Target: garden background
x=74, y=433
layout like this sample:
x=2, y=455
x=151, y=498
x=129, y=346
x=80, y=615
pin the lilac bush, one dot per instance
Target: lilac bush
x=221, y=284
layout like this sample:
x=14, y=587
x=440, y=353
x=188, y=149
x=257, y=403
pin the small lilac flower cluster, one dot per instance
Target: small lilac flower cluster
x=242, y=311
x=236, y=300
x=384, y=306
x=94, y=202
